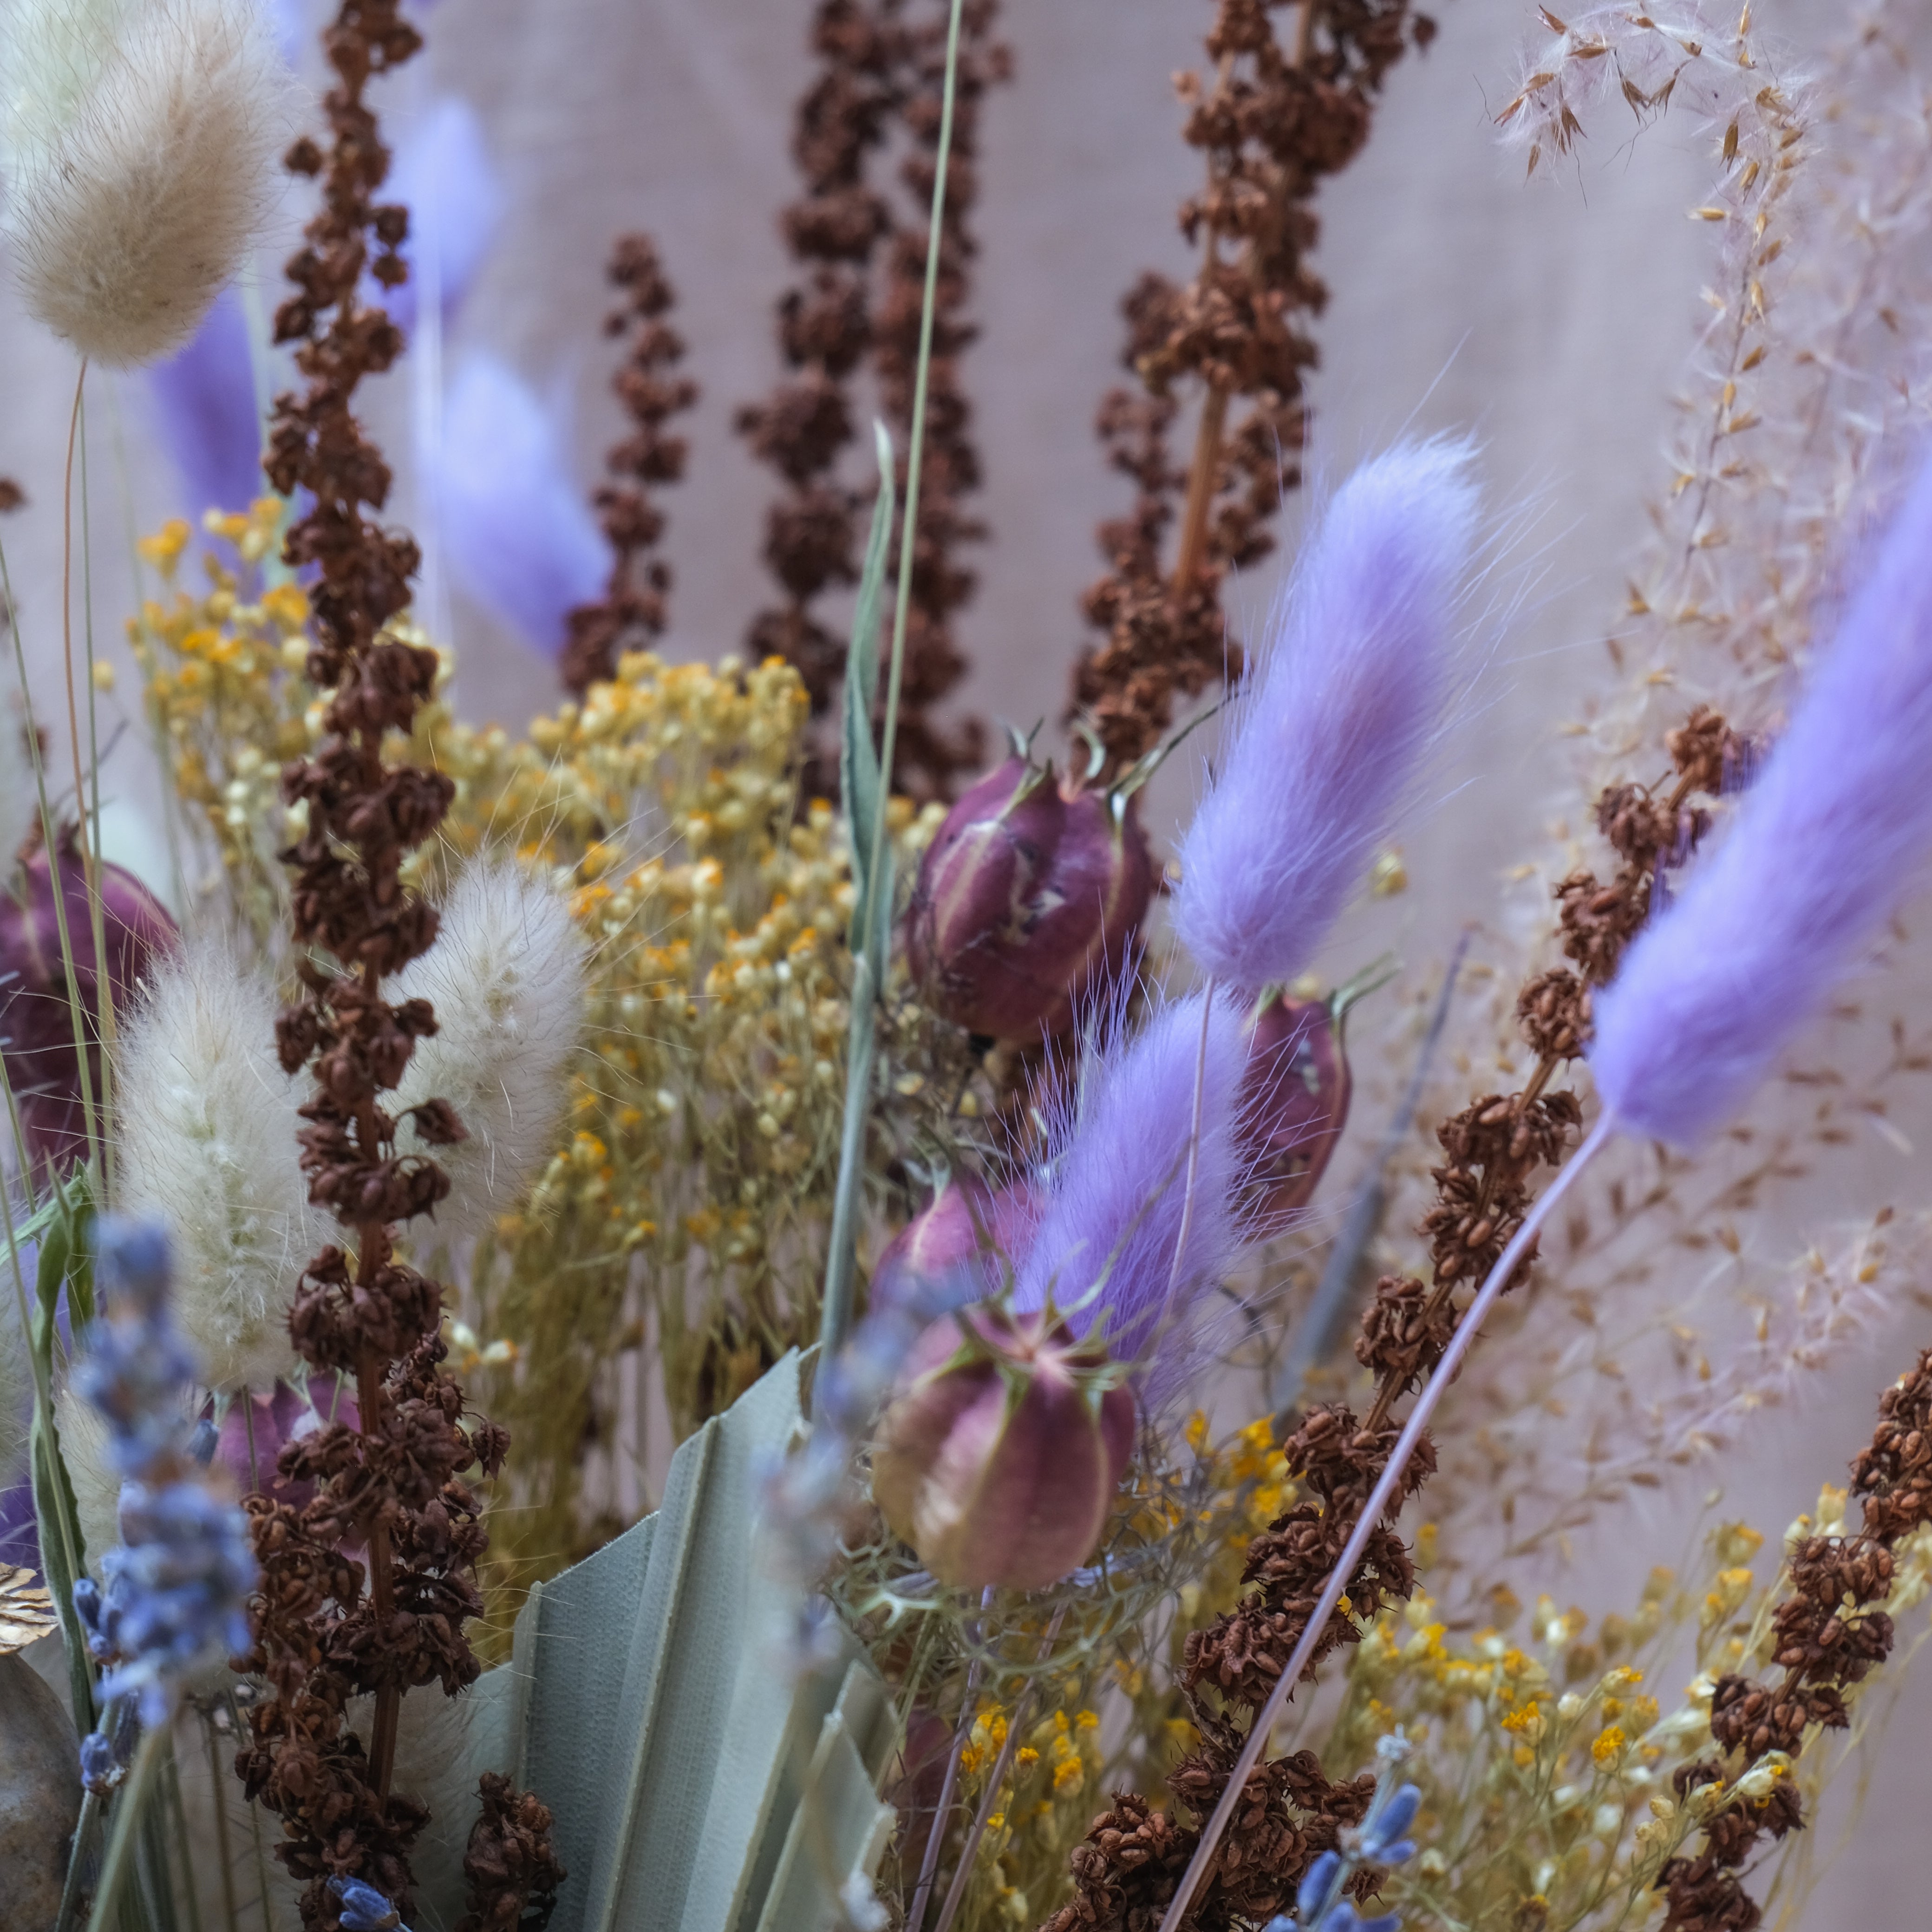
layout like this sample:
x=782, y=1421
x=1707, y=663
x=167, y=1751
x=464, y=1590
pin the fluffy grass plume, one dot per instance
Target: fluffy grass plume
x=1825, y=844
x=207, y=1127
x=1325, y=741
x=139, y=140
x=1120, y=1184
x=514, y=522
x=506, y=977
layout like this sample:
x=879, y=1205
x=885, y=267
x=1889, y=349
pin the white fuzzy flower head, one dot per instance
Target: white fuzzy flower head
x=138, y=139
x=506, y=978
x=208, y=1125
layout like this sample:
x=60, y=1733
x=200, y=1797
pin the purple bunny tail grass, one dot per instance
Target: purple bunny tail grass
x=443, y=175
x=1325, y=742
x=204, y=400
x=1119, y=1192
x=1825, y=843
x=518, y=536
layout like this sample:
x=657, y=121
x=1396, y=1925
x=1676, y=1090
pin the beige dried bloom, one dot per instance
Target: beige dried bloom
x=208, y=1143
x=139, y=143
x=506, y=978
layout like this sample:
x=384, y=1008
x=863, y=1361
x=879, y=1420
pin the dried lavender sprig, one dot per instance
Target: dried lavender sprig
x=363, y=1908
x=1381, y=1839
x=178, y=1585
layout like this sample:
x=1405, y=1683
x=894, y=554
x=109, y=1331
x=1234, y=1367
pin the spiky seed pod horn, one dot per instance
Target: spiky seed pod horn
x=138, y=144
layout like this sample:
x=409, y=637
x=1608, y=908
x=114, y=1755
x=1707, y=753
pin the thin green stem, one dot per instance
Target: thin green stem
x=51, y=842
x=916, y=436
x=96, y=908
x=130, y=1802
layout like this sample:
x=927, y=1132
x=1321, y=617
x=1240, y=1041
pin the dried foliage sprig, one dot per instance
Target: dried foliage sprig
x=1132, y=1865
x=634, y=608
x=1272, y=122
x=879, y=70
x=390, y=1482
x=1829, y=1633
x=1798, y=396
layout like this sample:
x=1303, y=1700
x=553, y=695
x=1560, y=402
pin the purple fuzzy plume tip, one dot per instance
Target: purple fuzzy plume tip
x=1113, y=1216
x=1325, y=740
x=1825, y=845
x=515, y=523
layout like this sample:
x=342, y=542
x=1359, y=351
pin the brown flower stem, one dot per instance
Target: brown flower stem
x=955, y=1893
x=382, y=1591
x=1201, y=479
x=935, y=1839
x=1380, y=1497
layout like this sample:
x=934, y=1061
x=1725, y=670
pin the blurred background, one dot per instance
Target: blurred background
x=1551, y=319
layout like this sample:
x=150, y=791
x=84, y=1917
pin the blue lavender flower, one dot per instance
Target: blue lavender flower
x=1319, y=1905
x=178, y=1585
x=363, y=1908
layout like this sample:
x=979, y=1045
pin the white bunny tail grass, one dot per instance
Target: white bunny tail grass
x=208, y=1125
x=140, y=143
x=506, y=977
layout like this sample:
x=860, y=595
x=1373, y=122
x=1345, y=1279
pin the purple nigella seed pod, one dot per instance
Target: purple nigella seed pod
x=1028, y=893
x=1294, y=1099
x=1000, y=1456
x=37, y=998
x=963, y=1246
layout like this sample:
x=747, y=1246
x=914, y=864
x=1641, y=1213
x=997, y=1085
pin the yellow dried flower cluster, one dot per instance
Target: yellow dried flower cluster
x=1048, y=1792
x=222, y=673
x=685, y=1200
x=1545, y=1762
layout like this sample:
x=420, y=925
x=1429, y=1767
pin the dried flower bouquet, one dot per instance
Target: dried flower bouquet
x=926, y=1159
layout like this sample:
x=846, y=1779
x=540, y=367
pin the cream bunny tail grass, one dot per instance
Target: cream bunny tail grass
x=207, y=1127
x=506, y=977
x=139, y=139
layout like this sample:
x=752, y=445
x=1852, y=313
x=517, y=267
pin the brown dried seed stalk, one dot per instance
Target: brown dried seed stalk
x=388, y=1482
x=1272, y=124
x=1129, y=1869
x=634, y=607
x=1830, y=1633
x=860, y=302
